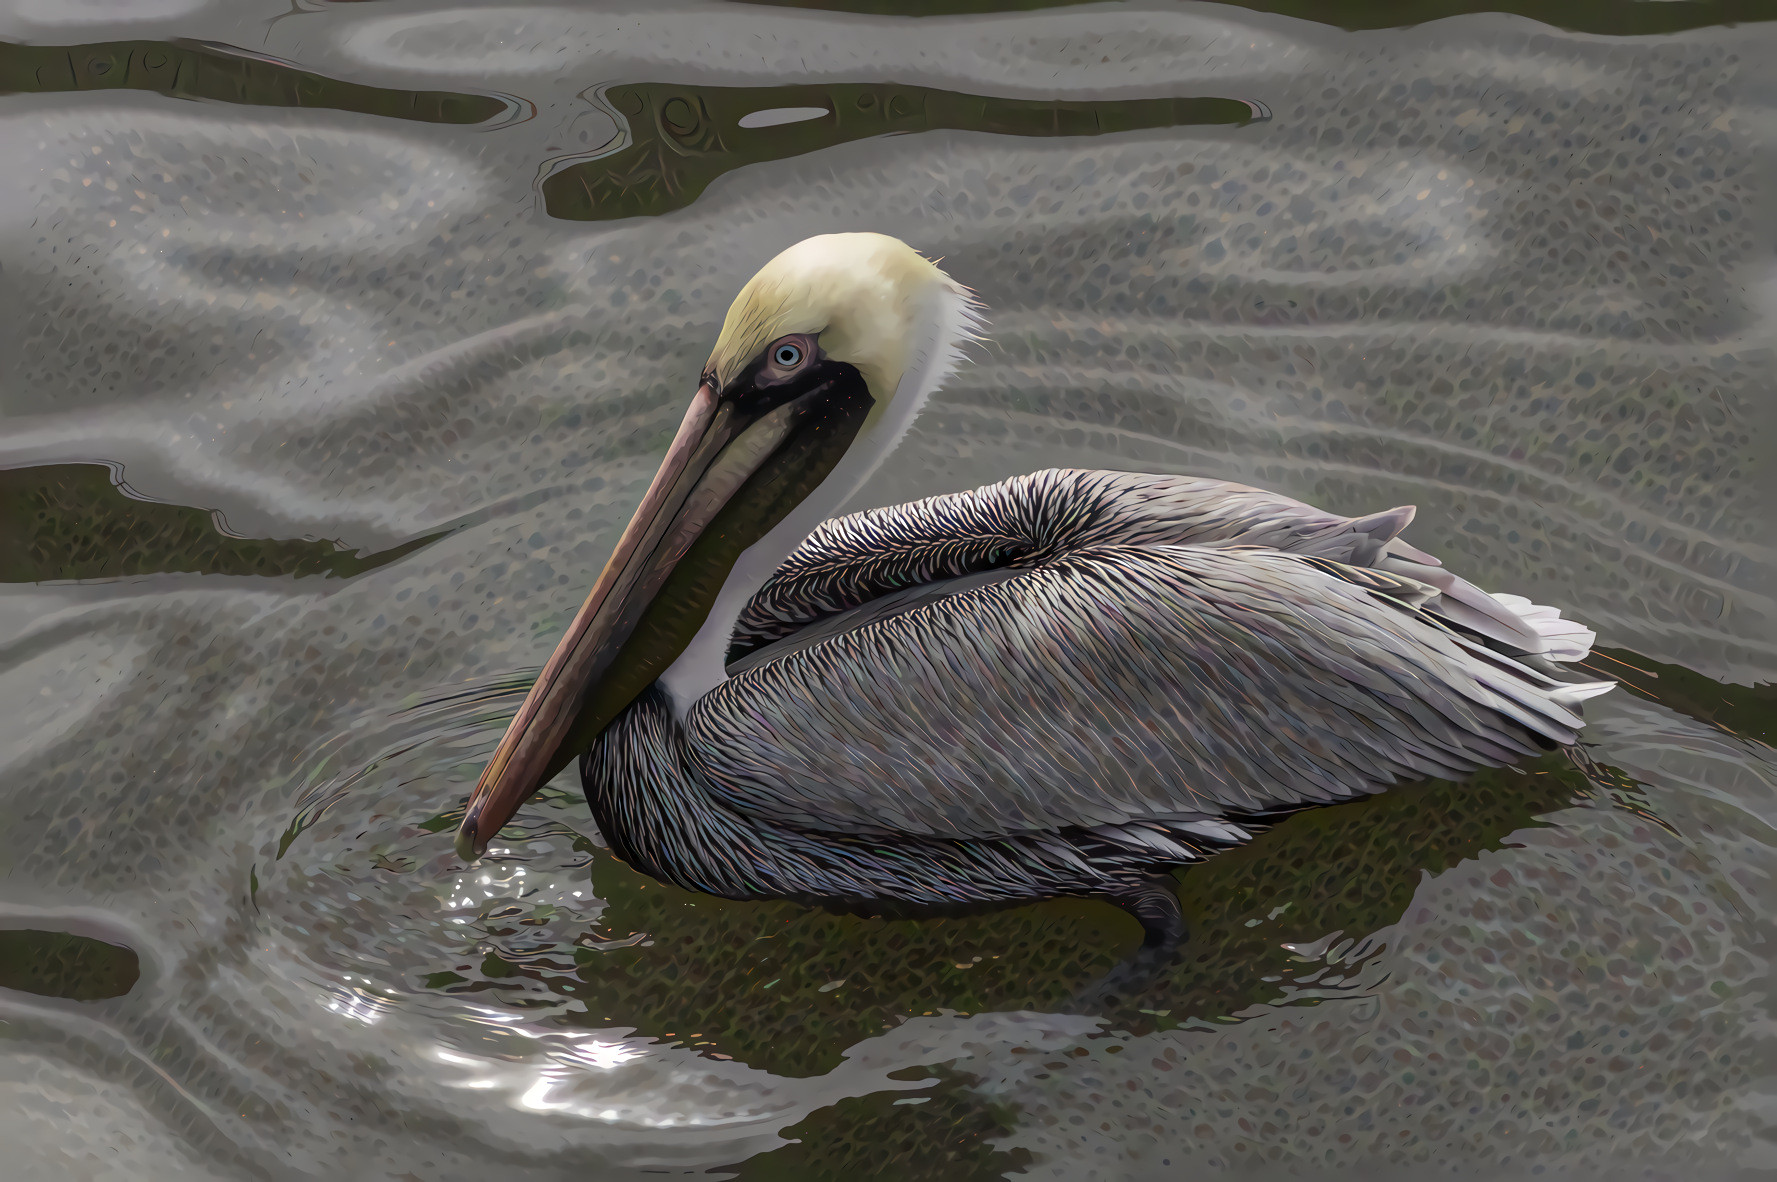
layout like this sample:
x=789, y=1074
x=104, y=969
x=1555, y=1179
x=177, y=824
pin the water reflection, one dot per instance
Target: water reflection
x=1745, y=711
x=674, y=140
x=223, y=73
x=1591, y=16
x=64, y=964
x=80, y=521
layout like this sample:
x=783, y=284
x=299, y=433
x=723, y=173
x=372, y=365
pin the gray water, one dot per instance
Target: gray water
x=1518, y=277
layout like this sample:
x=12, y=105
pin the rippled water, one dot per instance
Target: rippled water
x=345, y=337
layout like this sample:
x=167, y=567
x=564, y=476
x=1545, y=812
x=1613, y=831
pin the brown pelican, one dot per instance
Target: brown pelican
x=1068, y=683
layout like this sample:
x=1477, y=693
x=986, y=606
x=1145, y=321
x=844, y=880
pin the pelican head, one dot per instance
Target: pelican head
x=825, y=357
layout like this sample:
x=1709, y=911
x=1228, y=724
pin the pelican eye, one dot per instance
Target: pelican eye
x=785, y=358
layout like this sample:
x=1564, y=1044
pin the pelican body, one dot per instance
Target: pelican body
x=1068, y=683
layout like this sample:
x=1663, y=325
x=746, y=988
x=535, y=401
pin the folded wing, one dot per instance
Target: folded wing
x=1120, y=682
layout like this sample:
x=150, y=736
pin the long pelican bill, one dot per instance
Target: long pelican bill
x=529, y=753
x=741, y=460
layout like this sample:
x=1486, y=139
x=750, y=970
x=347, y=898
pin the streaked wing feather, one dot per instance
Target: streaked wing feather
x=1116, y=685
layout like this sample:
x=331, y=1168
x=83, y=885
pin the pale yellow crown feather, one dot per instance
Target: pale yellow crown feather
x=872, y=300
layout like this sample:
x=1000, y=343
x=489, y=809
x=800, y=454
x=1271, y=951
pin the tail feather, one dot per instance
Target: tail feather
x=1563, y=640
x=1578, y=691
x=1461, y=602
x=1522, y=627
x=1512, y=620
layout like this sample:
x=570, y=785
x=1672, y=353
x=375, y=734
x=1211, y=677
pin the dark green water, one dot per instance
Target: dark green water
x=344, y=338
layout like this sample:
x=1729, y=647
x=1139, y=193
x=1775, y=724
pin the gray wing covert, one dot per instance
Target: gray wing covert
x=1119, y=683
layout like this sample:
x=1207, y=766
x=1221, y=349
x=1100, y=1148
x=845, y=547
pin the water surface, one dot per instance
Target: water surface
x=346, y=337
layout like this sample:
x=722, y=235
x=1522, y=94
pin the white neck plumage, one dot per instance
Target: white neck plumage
x=952, y=321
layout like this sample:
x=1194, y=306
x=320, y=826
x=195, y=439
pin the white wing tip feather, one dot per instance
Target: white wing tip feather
x=1563, y=640
x=1579, y=691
